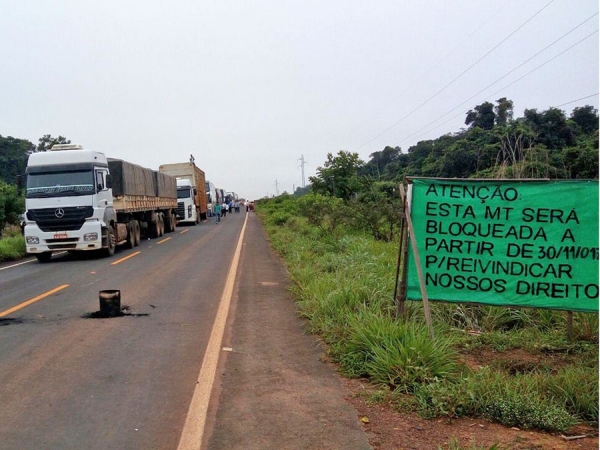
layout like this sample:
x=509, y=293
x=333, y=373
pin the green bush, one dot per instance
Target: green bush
x=528, y=412
x=398, y=354
x=12, y=248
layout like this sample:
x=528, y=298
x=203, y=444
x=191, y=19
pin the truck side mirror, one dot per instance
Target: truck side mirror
x=195, y=191
x=108, y=181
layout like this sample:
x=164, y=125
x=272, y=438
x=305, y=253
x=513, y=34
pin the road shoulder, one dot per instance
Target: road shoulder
x=275, y=390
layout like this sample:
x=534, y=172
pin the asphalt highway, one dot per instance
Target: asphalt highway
x=72, y=380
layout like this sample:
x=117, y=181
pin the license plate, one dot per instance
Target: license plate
x=60, y=235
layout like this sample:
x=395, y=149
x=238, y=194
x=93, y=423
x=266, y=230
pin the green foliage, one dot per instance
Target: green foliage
x=515, y=409
x=397, y=354
x=454, y=444
x=11, y=205
x=339, y=176
x=482, y=116
x=324, y=212
x=13, y=157
x=12, y=248
x=376, y=210
x=46, y=142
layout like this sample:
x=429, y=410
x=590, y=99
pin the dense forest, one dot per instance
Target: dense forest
x=545, y=144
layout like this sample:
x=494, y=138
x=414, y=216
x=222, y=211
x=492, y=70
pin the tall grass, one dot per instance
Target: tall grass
x=343, y=282
x=12, y=248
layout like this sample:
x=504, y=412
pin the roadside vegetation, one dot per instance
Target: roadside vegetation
x=339, y=239
x=513, y=366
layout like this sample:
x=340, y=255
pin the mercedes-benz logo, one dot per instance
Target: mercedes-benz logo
x=59, y=213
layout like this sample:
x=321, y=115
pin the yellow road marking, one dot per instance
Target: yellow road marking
x=164, y=240
x=193, y=430
x=33, y=300
x=125, y=258
x=184, y=231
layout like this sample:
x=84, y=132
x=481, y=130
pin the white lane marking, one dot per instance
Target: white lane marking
x=193, y=430
x=19, y=264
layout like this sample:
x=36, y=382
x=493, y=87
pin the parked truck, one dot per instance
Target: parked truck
x=80, y=200
x=211, y=197
x=191, y=191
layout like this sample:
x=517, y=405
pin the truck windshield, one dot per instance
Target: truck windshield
x=60, y=184
x=183, y=192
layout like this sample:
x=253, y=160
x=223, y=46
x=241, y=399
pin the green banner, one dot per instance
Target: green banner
x=509, y=243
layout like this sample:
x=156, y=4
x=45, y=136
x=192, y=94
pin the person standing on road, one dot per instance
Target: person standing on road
x=218, y=213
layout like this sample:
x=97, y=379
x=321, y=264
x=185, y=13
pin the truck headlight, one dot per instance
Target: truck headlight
x=90, y=237
x=32, y=240
x=189, y=210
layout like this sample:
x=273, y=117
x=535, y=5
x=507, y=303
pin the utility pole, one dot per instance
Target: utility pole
x=276, y=188
x=302, y=162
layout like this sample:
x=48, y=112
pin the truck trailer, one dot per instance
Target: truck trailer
x=191, y=191
x=80, y=200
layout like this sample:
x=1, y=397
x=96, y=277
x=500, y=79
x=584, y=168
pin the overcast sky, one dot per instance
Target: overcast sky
x=248, y=87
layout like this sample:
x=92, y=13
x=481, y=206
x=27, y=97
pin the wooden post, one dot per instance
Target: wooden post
x=401, y=298
x=413, y=241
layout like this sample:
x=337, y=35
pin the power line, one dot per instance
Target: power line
x=440, y=61
x=499, y=79
x=579, y=99
x=458, y=77
x=520, y=78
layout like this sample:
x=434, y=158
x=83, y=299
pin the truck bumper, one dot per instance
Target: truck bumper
x=88, y=237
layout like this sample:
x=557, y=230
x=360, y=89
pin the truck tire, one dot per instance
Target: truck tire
x=110, y=242
x=137, y=232
x=170, y=222
x=154, y=229
x=161, y=225
x=130, y=235
x=44, y=257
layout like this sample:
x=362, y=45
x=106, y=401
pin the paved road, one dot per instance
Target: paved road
x=68, y=381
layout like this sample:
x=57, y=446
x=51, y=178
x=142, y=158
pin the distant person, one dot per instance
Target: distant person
x=218, y=213
x=224, y=209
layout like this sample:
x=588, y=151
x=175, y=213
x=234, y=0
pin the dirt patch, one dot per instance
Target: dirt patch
x=516, y=360
x=389, y=429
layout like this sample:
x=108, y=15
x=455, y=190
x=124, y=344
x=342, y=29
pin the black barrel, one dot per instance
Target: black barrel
x=110, y=303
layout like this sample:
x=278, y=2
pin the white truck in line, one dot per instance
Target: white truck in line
x=191, y=194
x=80, y=200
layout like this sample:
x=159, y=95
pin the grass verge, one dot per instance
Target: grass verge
x=513, y=366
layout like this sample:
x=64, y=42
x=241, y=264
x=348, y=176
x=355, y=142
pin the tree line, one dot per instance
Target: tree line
x=14, y=153
x=494, y=144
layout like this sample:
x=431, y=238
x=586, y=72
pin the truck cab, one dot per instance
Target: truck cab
x=68, y=200
x=186, y=207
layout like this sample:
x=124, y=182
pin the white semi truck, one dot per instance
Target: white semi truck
x=191, y=191
x=211, y=197
x=79, y=200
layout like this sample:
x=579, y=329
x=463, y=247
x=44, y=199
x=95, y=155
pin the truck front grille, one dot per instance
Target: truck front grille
x=180, y=211
x=60, y=219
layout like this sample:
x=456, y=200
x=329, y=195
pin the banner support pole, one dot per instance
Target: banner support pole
x=418, y=264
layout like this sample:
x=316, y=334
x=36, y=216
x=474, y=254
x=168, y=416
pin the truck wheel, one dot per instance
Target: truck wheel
x=137, y=232
x=44, y=257
x=154, y=229
x=110, y=242
x=130, y=235
x=170, y=222
x=161, y=225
